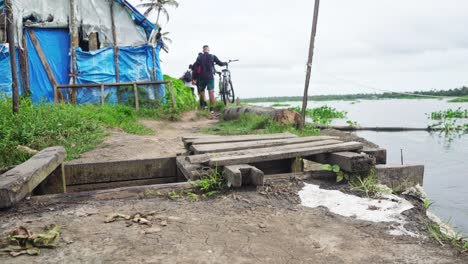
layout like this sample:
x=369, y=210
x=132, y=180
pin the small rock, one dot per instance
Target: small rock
x=316, y=244
x=261, y=225
x=152, y=230
x=163, y=223
x=373, y=208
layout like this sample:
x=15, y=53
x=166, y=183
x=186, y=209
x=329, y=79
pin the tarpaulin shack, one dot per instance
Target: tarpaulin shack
x=79, y=42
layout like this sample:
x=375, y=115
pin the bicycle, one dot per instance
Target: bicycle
x=226, y=89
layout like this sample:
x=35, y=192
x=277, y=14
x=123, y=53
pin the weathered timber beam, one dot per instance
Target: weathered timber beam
x=19, y=182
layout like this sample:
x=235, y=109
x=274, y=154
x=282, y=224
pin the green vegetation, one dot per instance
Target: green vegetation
x=322, y=115
x=449, y=114
x=457, y=241
x=448, y=121
x=183, y=95
x=79, y=128
x=280, y=105
x=459, y=100
x=213, y=183
x=458, y=92
x=257, y=124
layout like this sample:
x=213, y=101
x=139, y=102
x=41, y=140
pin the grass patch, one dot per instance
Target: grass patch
x=77, y=128
x=438, y=234
x=257, y=124
x=459, y=100
x=322, y=115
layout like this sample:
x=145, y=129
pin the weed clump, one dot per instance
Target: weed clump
x=257, y=124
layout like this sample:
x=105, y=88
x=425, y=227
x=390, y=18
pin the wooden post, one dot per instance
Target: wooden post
x=11, y=45
x=174, y=104
x=74, y=43
x=24, y=65
x=45, y=63
x=137, y=103
x=155, y=77
x=116, y=48
x=309, y=62
x=103, y=98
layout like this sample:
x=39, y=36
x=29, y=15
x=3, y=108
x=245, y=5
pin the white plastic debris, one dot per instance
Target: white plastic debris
x=375, y=210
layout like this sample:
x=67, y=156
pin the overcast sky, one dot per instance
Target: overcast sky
x=398, y=45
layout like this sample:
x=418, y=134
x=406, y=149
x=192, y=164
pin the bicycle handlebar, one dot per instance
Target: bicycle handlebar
x=233, y=61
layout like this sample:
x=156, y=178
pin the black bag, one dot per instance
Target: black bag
x=188, y=76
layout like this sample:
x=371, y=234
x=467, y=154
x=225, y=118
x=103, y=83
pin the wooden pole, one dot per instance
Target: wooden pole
x=137, y=102
x=11, y=45
x=45, y=63
x=103, y=98
x=24, y=65
x=74, y=43
x=174, y=103
x=116, y=48
x=309, y=62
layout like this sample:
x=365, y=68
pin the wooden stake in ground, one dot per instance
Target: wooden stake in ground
x=13, y=64
x=74, y=43
x=309, y=62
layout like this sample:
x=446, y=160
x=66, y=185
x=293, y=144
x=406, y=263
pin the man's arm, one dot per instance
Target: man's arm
x=220, y=63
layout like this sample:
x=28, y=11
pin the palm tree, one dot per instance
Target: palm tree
x=158, y=6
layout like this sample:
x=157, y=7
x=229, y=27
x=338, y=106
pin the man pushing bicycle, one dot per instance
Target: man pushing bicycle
x=203, y=71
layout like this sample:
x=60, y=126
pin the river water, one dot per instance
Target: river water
x=445, y=159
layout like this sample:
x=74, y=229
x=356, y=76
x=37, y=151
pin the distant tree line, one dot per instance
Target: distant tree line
x=457, y=92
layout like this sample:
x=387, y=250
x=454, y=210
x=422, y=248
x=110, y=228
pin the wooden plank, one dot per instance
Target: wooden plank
x=223, y=147
x=17, y=183
x=202, y=158
x=225, y=139
x=45, y=63
x=113, y=185
x=283, y=154
x=134, y=192
x=112, y=171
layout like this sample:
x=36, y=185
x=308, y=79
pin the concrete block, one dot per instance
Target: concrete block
x=20, y=181
x=379, y=154
x=400, y=177
x=239, y=175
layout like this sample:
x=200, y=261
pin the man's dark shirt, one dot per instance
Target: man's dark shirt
x=205, y=63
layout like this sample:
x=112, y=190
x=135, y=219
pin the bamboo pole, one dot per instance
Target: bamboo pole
x=11, y=45
x=309, y=62
x=74, y=43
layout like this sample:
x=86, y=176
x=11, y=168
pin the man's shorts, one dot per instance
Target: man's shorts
x=203, y=84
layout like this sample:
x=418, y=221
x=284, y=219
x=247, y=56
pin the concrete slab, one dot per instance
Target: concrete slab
x=400, y=177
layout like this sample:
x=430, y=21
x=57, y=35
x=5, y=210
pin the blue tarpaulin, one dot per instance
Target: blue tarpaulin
x=5, y=71
x=54, y=43
x=135, y=64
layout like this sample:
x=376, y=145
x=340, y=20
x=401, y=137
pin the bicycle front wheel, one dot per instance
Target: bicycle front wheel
x=229, y=92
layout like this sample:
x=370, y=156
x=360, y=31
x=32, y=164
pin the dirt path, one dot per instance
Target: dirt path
x=240, y=227
x=166, y=141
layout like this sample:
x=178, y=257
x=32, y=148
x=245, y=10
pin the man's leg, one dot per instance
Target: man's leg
x=211, y=92
x=201, y=90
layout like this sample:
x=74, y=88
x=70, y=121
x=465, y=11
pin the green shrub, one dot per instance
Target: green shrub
x=322, y=115
x=257, y=124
